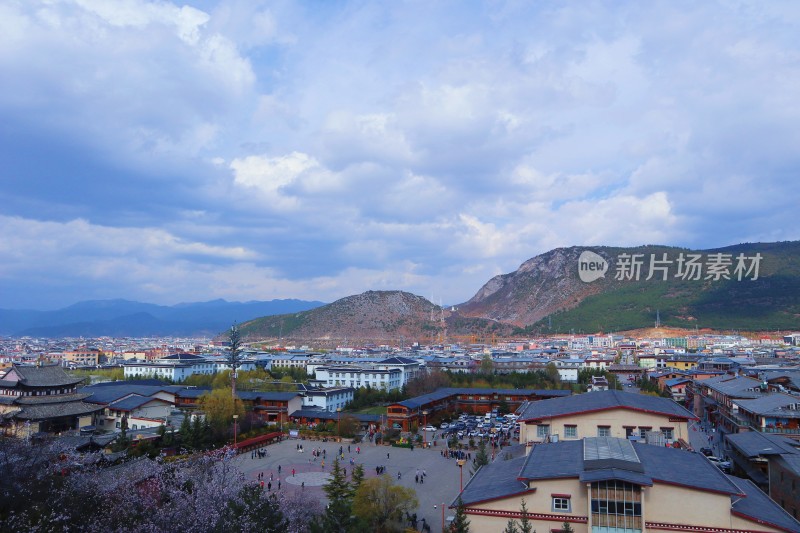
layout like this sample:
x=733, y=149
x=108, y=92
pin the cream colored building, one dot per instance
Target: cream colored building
x=609, y=485
x=609, y=413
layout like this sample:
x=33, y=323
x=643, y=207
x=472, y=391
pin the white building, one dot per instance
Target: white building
x=177, y=367
x=328, y=399
x=360, y=377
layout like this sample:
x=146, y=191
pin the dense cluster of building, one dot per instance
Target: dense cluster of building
x=609, y=460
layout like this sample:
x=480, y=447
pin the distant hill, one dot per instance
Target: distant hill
x=372, y=316
x=545, y=294
x=124, y=318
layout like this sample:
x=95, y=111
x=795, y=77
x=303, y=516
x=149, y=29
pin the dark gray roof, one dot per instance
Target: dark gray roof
x=755, y=444
x=55, y=410
x=44, y=376
x=398, y=361
x=55, y=398
x=735, y=387
x=495, y=480
x=269, y=396
x=440, y=394
x=656, y=464
x=132, y=402
x=188, y=357
x=332, y=416
x=603, y=400
x=106, y=394
x=769, y=403
x=759, y=507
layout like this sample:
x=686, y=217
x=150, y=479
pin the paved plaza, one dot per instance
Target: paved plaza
x=439, y=486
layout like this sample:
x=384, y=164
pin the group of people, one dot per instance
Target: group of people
x=456, y=454
x=419, y=477
x=258, y=454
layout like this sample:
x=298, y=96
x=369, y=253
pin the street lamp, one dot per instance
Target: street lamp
x=424, y=425
x=460, y=463
x=235, y=420
x=338, y=422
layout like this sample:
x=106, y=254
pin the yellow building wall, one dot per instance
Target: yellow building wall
x=669, y=504
x=538, y=502
x=616, y=419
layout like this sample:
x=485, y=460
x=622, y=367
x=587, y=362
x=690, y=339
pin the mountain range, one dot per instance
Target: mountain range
x=124, y=318
x=752, y=287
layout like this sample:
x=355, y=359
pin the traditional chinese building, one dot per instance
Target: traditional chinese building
x=45, y=399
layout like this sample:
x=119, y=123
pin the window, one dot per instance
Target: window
x=603, y=431
x=571, y=432
x=561, y=504
x=643, y=432
x=669, y=433
x=542, y=430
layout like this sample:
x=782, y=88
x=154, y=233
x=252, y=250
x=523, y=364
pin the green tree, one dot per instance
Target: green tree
x=219, y=407
x=525, y=525
x=481, y=457
x=511, y=527
x=460, y=522
x=551, y=371
x=381, y=504
x=566, y=528
x=356, y=478
x=486, y=364
x=338, y=516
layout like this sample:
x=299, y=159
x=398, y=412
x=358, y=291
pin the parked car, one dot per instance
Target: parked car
x=430, y=428
x=723, y=465
x=706, y=451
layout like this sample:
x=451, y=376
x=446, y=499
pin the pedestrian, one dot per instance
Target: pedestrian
x=270, y=476
x=262, y=484
x=279, y=470
x=279, y=484
x=416, y=478
x=348, y=448
x=303, y=485
x=398, y=474
x=292, y=472
x=323, y=464
x=345, y=472
x=269, y=486
x=387, y=456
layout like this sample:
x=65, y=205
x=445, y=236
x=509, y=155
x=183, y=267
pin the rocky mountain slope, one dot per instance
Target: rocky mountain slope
x=372, y=316
x=546, y=292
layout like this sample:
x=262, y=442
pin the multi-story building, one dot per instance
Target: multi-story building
x=609, y=413
x=178, y=367
x=351, y=376
x=328, y=399
x=611, y=485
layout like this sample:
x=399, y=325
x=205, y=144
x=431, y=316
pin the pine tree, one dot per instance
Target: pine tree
x=511, y=527
x=337, y=517
x=525, y=525
x=357, y=477
x=481, y=458
x=566, y=528
x=460, y=523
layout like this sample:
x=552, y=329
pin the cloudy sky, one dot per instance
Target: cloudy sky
x=169, y=152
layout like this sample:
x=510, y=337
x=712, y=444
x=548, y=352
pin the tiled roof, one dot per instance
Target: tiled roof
x=736, y=387
x=495, y=480
x=332, y=416
x=656, y=463
x=132, y=402
x=439, y=394
x=54, y=410
x=44, y=376
x=755, y=444
x=603, y=400
x=759, y=507
x=768, y=403
x=108, y=394
x=55, y=398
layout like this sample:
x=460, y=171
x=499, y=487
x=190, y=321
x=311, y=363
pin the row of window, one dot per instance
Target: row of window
x=571, y=431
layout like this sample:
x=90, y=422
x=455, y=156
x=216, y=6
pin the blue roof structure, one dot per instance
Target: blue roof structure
x=756, y=505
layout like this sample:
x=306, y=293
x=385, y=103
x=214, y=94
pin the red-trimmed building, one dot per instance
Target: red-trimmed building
x=462, y=400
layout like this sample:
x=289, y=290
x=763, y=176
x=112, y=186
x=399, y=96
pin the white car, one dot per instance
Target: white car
x=430, y=428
